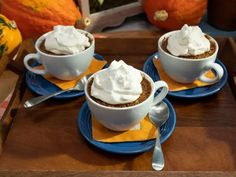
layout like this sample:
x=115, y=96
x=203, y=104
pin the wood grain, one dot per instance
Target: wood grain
x=228, y=54
x=115, y=174
x=45, y=140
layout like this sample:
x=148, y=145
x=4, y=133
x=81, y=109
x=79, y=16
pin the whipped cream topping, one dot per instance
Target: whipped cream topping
x=118, y=84
x=190, y=40
x=66, y=40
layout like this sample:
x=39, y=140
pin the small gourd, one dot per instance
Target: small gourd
x=10, y=36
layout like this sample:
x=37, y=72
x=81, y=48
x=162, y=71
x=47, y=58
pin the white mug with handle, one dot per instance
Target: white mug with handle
x=64, y=67
x=186, y=70
x=125, y=118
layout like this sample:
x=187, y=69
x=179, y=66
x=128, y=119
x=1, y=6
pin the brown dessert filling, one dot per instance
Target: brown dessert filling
x=44, y=50
x=146, y=88
x=200, y=56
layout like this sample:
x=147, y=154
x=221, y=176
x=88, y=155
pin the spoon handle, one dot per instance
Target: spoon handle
x=158, y=158
x=34, y=101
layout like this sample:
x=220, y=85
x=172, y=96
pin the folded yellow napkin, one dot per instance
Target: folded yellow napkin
x=145, y=131
x=175, y=86
x=94, y=66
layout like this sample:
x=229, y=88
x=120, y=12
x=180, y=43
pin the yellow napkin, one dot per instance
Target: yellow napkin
x=146, y=131
x=94, y=66
x=175, y=86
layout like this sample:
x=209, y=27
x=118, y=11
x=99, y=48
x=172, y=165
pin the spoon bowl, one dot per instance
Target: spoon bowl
x=158, y=115
x=36, y=100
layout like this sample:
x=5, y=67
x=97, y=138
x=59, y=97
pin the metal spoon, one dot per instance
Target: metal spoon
x=34, y=101
x=158, y=115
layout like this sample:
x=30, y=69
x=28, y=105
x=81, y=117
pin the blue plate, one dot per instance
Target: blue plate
x=198, y=92
x=41, y=86
x=85, y=127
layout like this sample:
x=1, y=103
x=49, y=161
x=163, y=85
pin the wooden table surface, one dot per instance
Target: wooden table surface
x=45, y=140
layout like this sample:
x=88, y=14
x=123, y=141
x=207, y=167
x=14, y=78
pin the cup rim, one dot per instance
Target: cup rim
x=120, y=108
x=181, y=58
x=41, y=38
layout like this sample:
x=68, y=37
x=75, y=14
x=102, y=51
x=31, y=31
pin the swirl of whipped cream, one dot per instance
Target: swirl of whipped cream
x=190, y=40
x=118, y=84
x=66, y=40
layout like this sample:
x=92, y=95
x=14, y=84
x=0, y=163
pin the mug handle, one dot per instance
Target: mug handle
x=218, y=70
x=34, y=56
x=164, y=91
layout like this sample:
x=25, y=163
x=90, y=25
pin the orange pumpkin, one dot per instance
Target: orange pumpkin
x=36, y=17
x=173, y=14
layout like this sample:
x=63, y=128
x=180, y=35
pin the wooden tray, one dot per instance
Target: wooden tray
x=45, y=140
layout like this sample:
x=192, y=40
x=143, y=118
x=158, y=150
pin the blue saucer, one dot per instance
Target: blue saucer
x=198, y=92
x=41, y=86
x=85, y=127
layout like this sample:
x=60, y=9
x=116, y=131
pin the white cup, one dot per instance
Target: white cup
x=64, y=67
x=125, y=118
x=185, y=70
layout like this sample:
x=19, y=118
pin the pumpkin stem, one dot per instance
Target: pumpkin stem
x=12, y=24
x=160, y=15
